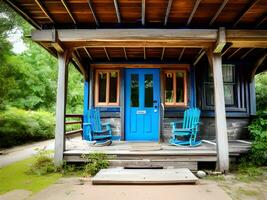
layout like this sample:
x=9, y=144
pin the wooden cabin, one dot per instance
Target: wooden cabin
x=144, y=62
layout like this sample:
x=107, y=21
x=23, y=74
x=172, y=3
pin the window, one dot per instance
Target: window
x=228, y=71
x=107, y=88
x=175, y=88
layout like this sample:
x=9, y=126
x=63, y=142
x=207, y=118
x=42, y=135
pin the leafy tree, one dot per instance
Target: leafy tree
x=29, y=80
x=261, y=93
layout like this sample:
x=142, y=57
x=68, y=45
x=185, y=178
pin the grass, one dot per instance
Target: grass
x=15, y=176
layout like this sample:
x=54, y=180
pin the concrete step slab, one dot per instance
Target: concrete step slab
x=144, y=176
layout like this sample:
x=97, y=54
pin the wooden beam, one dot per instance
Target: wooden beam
x=77, y=60
x=218, y=12
x=78, y=54
x=68, y=10
x=221, y=41
x=168, y=10
x=235, y=52
x=61, y=107
x=18, y=9
x=258, y=63
x=262, y=19
x=200, y=55
x=181, y=54
x=73, y=35
x=220, y=116
x=248, y=52
x=143, y=12
x=88, y=53
x=106, y=52
x=200, y=38
x=193, y=11
x=162, y=54
x=144, y=53
x=117, y=9
x=56, y=43
x=251, y=4
x=227, y=49
x=93, y=12
x=58, y=46
x=125, y=53
x=44, y=10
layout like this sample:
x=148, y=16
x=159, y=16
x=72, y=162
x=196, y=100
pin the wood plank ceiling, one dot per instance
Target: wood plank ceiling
x=93, y=14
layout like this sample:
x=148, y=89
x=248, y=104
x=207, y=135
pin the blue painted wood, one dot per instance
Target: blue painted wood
x=192, y=87
x=94, y=127
x=188, y=129
x=85, y=108
x=141, y=122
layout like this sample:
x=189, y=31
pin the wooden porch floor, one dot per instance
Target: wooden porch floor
x=76, y=147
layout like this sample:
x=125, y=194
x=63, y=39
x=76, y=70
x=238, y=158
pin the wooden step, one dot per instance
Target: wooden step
x=154, y=163
x=144, y=176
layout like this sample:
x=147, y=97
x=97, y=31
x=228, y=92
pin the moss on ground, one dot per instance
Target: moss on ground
x=15, y=176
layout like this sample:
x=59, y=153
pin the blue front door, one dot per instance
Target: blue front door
x=142, y=100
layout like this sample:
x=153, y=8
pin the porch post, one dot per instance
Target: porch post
x=220, y=118
x=61, y=107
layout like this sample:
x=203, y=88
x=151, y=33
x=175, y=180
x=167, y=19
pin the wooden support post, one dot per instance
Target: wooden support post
x=252, y=97
x=85, y=108
x=91, y=88
x=220, y=116
x=122, y=104
x=61, y=107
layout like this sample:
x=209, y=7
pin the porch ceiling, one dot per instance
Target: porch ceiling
x=162, y=15
x=160, y=54
x=143, y=13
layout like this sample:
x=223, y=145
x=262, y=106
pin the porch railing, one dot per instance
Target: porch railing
x=76, y=130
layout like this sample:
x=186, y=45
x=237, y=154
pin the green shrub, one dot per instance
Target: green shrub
x=43, y=164
x=19, y=126
x=95, y=162
x=258, y=132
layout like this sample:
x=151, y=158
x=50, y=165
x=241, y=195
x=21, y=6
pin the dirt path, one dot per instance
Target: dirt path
x=82, y=189
x=18, y=153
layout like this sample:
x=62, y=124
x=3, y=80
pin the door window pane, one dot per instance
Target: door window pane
x=148, y=90
x=179, y=87
x=134, y=90
x=102, y=82
x=113, y=80
x=169, y=87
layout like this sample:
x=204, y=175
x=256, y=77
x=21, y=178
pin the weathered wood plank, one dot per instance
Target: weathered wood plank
x=220, y=119
x=221, y=41
x=61, y=107
x=68, y=35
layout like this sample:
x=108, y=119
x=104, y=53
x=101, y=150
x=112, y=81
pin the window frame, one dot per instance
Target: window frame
x=96, y=82
x=209, y=82
x=175, y=104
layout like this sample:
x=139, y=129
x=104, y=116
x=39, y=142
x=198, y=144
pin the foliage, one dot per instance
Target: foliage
x=19, y=126
x=261, y=93
x=258, y=126
x=43, y=164
x=258, y=132
x=16, y=176
x=28, y=80
x=248, y=172
x=95, y=162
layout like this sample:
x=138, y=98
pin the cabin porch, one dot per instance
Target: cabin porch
x=155, y=155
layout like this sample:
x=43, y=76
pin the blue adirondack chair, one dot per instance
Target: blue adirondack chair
x=188, y=129
x=95, y=130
